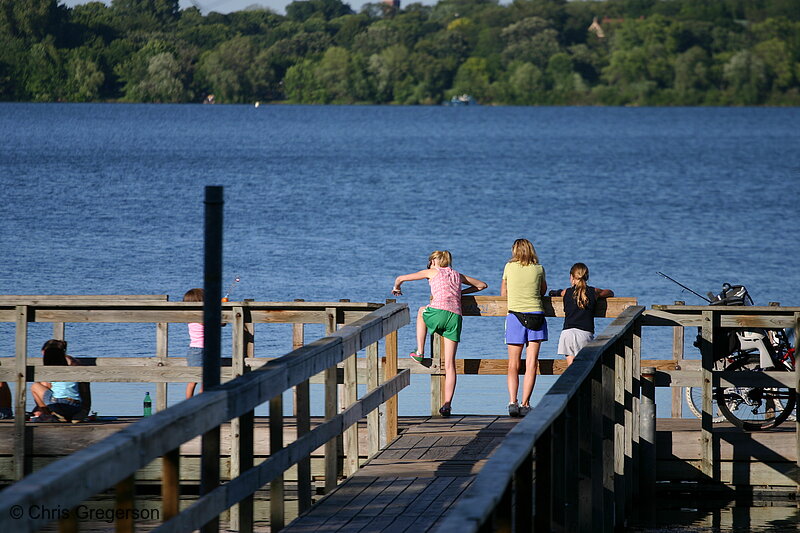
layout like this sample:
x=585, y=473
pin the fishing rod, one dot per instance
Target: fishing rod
x=684, y=286
x=230, y=289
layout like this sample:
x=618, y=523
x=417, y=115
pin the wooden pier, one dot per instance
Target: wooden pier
x=589, y=457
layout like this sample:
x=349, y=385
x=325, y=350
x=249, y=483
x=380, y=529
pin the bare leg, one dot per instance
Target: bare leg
x=422, y=331
x=450, y=349
x=531, y=366
x=514, y=355
x=38, y=391
x=190, y=389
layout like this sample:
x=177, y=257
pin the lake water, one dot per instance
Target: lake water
x=324, y=203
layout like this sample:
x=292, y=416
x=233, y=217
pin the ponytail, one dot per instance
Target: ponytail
x=580, y=273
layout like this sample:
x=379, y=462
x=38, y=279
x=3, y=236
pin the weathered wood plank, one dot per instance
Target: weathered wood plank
x=480, y=305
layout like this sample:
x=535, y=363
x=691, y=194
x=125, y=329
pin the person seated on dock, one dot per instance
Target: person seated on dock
x=5, y=401
x=59, y=400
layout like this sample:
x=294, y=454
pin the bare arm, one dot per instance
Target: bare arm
x=543, y=286
x=604, y=293
x=422, y=274
x=503, y=288
x=475, y=285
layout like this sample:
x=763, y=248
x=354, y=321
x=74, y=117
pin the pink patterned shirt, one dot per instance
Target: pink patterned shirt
x=446, y=290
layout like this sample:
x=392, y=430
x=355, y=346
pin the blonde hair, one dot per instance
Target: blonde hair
x=523, y=252
x=443, y=256
x=580, y=273
x=194, y=295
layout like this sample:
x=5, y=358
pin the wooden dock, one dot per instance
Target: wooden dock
x=411, y=484
x=590, y=457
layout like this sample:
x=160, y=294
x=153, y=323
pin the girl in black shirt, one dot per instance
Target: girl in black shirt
x=579, y=308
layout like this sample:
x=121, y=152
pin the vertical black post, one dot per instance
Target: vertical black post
x=212, y=321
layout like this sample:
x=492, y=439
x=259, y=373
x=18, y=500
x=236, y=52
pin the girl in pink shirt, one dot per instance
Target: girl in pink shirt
x=442, y=315
x=194, y=356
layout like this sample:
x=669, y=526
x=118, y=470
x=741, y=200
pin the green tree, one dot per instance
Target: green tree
x=302, y=85
x=530, y=40
x=84, y=79
x=390, y=71
x=301, y=10
x=43, y=72
x=225, y=70
x=692, y=71
x=745, y=75
x=163, y=82
x=525, y=84
x=473, y=78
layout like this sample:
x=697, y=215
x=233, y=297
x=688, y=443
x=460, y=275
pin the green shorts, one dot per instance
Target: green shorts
x=445, y=323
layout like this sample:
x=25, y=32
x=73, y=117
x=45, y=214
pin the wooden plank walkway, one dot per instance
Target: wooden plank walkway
x=411, y=484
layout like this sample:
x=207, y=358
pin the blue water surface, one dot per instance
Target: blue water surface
x=324, y=203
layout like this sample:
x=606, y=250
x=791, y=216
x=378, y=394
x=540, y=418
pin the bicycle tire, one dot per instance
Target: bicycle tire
x=779, y=400
x=694, y=398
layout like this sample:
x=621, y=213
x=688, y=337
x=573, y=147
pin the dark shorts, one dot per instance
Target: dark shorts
x=66, y=407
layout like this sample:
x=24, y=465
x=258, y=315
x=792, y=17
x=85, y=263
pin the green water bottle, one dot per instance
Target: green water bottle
x=148, y=405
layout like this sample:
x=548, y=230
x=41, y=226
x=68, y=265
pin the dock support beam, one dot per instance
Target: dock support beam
x=647, y=441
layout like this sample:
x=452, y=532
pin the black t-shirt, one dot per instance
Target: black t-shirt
x=574, y=316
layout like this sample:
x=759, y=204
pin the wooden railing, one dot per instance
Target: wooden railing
x=113, y=461
x=572, y=464
x=711, y=321
x=584, y=459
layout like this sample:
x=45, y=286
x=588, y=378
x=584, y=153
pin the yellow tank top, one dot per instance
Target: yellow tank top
x=523, y=284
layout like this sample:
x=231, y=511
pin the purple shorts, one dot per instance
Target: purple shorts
x=516, y=333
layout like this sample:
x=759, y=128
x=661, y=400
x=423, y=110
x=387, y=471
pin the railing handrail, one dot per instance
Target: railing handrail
x=489, y=486
x=495, y=305
x=91, y=470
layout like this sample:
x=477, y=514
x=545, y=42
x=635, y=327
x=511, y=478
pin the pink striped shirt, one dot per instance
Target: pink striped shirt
x=446, y=290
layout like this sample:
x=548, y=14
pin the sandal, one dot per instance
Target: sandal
x=416, y=356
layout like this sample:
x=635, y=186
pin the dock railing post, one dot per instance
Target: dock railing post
x=677, y=356
x=241, y=455
x=647, y=456
x=302, y=413
x=437, y=377
x=162, y=351
x=390, y=371
x=373, y=418
x=21, y=361
x=351, y=397
x=620, y=434
x=331, y=408
x=212, y=322
x=710, y=334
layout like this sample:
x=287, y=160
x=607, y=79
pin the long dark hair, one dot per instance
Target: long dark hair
x=54, y=353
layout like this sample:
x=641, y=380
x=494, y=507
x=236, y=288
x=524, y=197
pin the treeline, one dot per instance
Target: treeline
x=529, y=52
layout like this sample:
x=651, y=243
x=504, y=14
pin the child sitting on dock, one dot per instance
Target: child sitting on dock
x=194, y=355
x=523, y=284
x=443, y=315
x=59, y=400
x=580, y=301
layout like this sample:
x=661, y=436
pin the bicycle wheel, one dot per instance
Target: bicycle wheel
x=694, y=399
x=754, y=408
